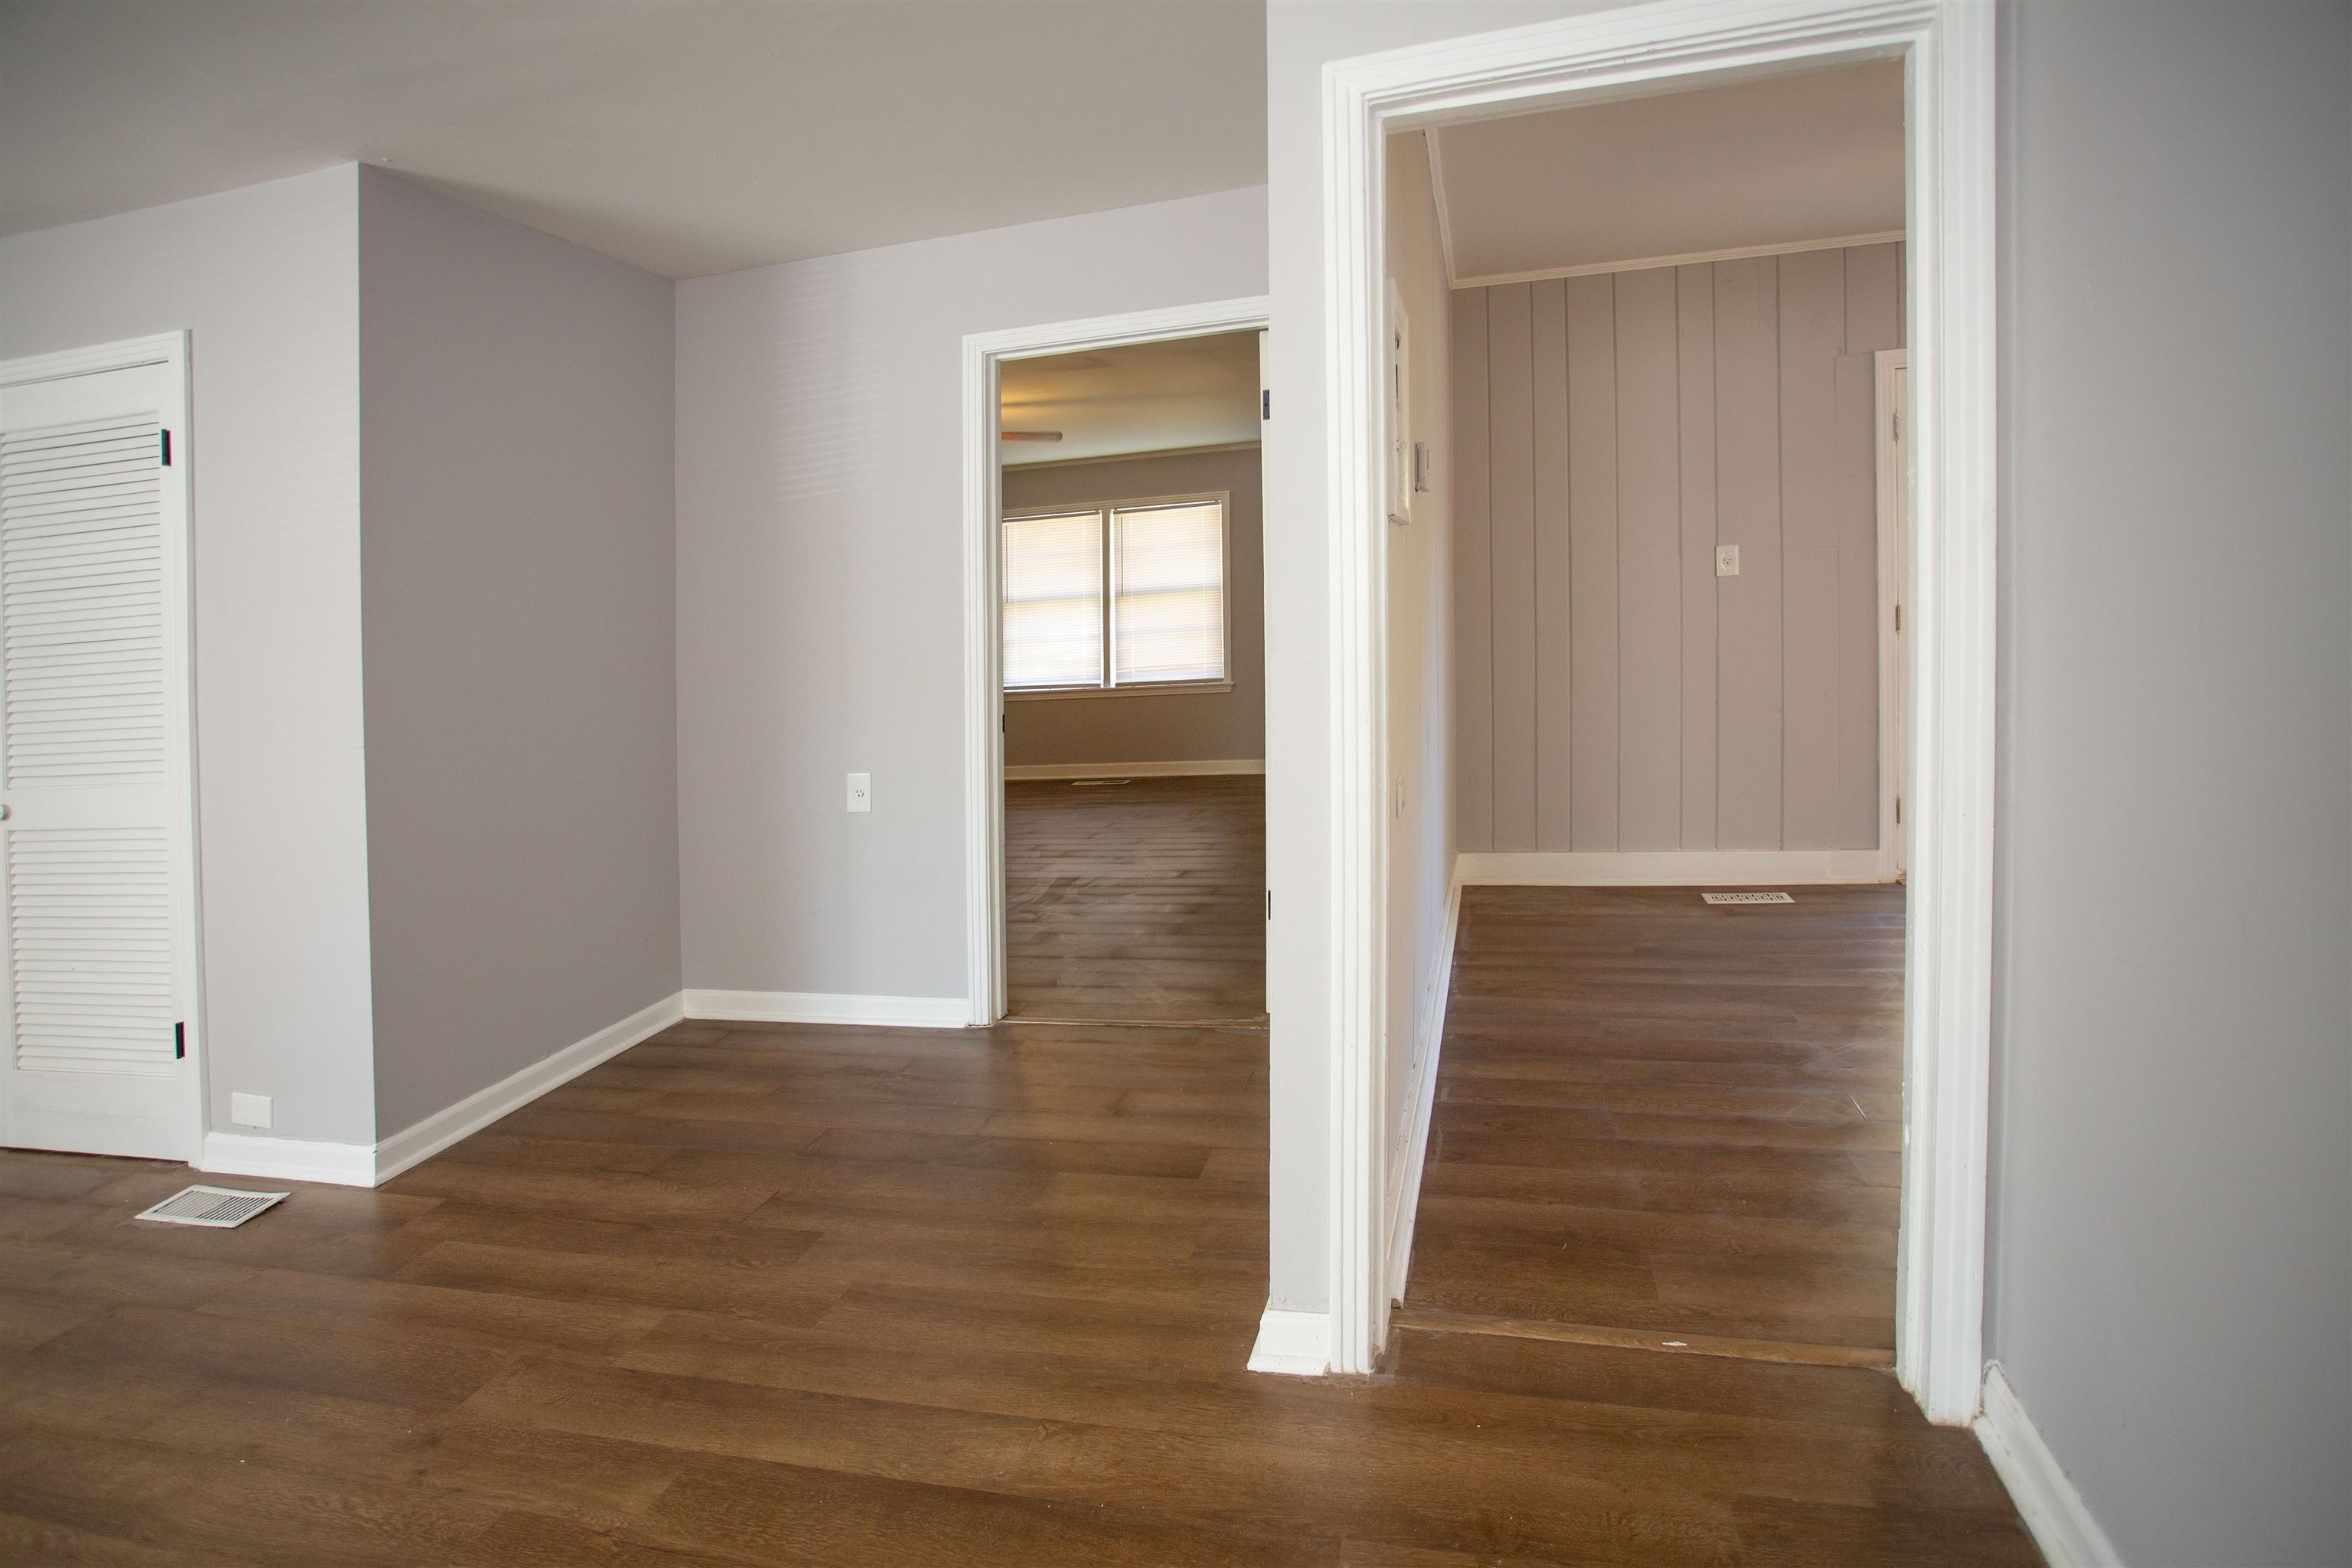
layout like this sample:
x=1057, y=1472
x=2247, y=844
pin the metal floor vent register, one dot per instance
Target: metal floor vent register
x=1747, y=898
x=222, y=1208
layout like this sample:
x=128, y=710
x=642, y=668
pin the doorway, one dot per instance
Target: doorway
x=1947, y=57
x=1114, y=668
x=101, y=1025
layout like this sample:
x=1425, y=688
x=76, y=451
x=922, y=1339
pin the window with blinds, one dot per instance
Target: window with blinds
x=1053, y=600
x=1124, y=595
x=1168, y=604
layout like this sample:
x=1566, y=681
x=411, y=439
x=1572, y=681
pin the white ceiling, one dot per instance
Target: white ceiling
x=1788, y=160
x=688, y=137
x=1146, y=398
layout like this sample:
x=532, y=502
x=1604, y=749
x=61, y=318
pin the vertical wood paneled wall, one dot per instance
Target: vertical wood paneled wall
x=1611, y=430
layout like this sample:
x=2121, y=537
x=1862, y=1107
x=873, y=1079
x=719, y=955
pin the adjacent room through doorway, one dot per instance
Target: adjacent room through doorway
x=1133, y=689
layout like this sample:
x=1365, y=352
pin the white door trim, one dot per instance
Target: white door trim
x=169, y=353
x=983, y=740
x=1947, y=45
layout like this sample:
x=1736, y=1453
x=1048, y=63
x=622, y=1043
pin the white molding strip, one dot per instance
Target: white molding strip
x=984, y=737
x=1644, y=264
x=1671, y=869
x=420, y=1141
x=828, y=1007
x=1405, y=1166
x=1209, y=450
x=2052, y=1509
x=1233, y=765
x=288, y=1160
x=1293, y=1345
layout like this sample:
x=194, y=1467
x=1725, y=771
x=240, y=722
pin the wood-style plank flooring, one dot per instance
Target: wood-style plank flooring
x=1139, y=901
x=1659, y=1119
x=795, y=1295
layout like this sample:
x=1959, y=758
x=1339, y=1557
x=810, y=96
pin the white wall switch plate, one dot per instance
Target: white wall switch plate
x=250, y=1109
x=1727, y=560
x=861, y=791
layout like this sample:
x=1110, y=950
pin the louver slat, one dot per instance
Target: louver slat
x=81, y=621
x=91, y=936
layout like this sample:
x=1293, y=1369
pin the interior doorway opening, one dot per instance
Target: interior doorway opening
x=1133, y=673
x=1115, y=757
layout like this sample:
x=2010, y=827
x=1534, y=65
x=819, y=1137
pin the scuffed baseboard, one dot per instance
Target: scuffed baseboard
x=1294, y=1344
x=2052, y=1509
x=1671, y=867
x=423, y=1140
x=828, y=1007
x=1031, y=771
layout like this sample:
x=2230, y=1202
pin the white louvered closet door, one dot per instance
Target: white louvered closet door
x=96, y=850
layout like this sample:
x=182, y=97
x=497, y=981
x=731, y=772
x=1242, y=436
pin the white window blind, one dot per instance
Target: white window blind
x=1168, y=612
x=1053, y=600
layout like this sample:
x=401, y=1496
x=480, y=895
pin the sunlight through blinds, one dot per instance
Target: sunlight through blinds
x=1053, y=600
x=1169, y=618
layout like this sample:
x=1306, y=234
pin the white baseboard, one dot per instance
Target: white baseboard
x=1406, y=1162
x=825, y=1007
x=1295, y=1344
x=2052, y=1509
x=1133, y=770
x=1671, y=867
x=288, y=1160
x=425, y=1139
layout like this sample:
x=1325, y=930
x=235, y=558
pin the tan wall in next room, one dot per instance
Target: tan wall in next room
x=1614, y=692
x=1160, y=727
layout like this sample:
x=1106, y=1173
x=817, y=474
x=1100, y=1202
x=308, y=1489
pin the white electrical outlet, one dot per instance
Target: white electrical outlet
x=861, y=791
x=1727, y=560
x=250, y=1109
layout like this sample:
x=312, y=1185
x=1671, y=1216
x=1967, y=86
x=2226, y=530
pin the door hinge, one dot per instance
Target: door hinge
x=167, y=447
x=1270, y=903
x=179, y=1041
x=1000, y=721
x=1898, y=618
x=1265, y=404
x=1898, y=426
x=1899, y=811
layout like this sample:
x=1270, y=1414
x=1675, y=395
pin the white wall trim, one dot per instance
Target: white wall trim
x=1894, y=576
x=1411, y=1153
x=984, y=739
x=1230, y=765
x=2052, y=1509
x=1294, y=1344
x=1671, y=867
x=1208, y=450
x=1947, y=48
x=1691, y=258
x=828, y=1007
x=288, y=1160
x=420, y=1141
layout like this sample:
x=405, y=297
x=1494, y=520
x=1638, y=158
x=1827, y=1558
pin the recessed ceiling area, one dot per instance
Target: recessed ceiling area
x=1783, y=161
x=687, y=137
x=1144, y=397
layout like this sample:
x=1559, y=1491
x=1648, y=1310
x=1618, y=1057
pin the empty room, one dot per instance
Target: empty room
x=1311, y=782
x=1668, y=1111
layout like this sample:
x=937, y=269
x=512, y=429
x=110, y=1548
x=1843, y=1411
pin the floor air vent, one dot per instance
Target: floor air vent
x=1747, y=898
x=223, y=1208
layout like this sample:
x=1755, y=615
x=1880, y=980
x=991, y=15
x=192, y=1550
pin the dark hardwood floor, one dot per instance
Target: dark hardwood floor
x=1139, y=901
x=1661, y=1120
x=765, y=1295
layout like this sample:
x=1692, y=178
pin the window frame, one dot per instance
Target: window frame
x=1104, y=514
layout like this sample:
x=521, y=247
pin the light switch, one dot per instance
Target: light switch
x=1727, y=560
x=861, y=791
x=250, y=1109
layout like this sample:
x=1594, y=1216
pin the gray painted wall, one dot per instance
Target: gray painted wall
x=266, y=281
x=520, y=643
x=2171, y=1238
x=1141, y=727
x=1615, y=693
x=1420, y=648
x=819, y=598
